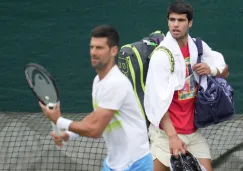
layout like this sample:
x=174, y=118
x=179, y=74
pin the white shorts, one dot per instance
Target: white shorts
x=159, y=145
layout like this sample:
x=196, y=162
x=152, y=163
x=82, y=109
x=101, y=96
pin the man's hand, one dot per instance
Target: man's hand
x=59, y=139
x=51, y=114
x=201, y=69
x=177, y=145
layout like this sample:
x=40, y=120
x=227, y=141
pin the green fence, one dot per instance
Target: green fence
x=56, y=34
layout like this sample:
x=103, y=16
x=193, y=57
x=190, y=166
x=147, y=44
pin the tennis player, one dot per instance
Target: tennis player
x=170, y=98
x=116, y=115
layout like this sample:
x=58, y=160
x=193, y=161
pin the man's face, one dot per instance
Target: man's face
x=101, y=54
x=179, y=25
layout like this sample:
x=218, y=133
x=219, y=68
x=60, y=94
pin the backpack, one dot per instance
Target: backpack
x=133, y=61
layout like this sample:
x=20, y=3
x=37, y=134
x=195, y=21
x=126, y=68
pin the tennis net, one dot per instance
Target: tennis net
x=26, y=144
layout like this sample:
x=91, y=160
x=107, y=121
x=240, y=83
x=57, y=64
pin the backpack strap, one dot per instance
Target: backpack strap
x=198, y=43
x=169, y=54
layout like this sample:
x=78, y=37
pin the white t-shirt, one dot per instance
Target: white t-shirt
x=126, y=135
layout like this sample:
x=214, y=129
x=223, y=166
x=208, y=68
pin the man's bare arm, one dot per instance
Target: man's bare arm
x=204, y=69
x=176, y=145
x=224, y=74
x=94, y=124
x=167, y=125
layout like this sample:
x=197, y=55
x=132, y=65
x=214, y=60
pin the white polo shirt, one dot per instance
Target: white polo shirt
x=126, y=135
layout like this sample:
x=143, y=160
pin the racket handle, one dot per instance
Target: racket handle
x=56, y=129
x=57, y=132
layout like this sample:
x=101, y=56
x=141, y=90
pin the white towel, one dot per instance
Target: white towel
x=161, y=83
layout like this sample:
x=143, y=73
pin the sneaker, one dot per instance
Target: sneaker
x=176, y=164
x=190, y=162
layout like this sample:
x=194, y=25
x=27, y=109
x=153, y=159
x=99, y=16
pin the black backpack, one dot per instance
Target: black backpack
x=133, y=61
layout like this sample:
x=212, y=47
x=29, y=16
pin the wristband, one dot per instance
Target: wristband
x=72, y=135
x=213, y=70
x=63, y=124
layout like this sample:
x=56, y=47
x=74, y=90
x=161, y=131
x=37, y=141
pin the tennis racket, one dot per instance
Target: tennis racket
x=43, y=86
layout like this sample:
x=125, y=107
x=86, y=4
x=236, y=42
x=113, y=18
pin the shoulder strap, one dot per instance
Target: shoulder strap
x=198, y=43
x=169, y=54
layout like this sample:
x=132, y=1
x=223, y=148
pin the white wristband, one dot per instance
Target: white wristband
x=213, y=70
x=63, y=124
x=72, y=135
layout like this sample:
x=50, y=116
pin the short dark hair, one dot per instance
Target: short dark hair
x=106, y=31
x=180, y=7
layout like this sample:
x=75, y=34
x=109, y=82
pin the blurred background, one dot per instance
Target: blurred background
x=56, y=34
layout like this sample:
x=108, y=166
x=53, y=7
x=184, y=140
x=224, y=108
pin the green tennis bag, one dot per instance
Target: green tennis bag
x=133, y=61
